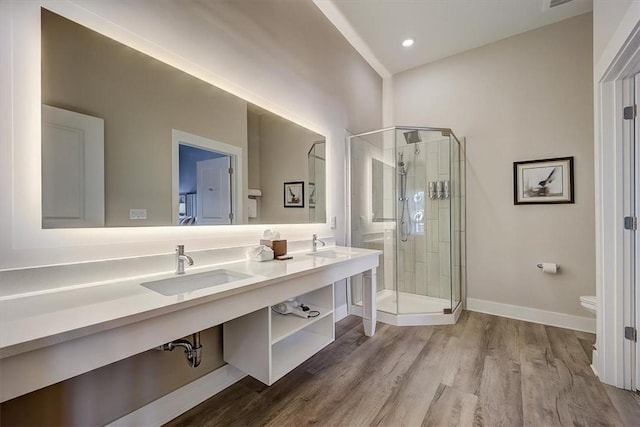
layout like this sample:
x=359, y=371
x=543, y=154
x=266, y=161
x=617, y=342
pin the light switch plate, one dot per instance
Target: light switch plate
x=137, y=214
x=333, y=222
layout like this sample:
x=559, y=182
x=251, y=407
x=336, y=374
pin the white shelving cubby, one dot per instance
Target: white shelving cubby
x=268, y=345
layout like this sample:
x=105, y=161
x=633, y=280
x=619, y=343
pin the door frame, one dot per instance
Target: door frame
x=620, y=62
x=628, y=238
x=180, y=137
x=636, y=252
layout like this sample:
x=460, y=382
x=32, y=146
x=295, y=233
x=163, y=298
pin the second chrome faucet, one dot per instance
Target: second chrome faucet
x=181, y=257
x=314, y=243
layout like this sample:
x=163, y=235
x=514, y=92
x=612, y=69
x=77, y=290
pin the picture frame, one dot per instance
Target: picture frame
x=543, y=181
x=294, y=194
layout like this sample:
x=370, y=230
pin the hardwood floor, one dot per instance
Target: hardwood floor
x=483, y=371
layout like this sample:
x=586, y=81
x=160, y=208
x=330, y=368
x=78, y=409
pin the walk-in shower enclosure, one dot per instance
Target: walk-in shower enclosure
x=407, y=199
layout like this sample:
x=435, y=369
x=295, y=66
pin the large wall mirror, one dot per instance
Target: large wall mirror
x=128, y=141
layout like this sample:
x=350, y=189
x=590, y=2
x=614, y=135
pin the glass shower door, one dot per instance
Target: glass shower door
x=427, y=245
x=413, y=211
x=372, y=176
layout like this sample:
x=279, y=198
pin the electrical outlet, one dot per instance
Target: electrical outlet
x=333, y=222
x=137, y=214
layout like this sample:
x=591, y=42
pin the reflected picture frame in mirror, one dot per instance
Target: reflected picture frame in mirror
x=293, y=194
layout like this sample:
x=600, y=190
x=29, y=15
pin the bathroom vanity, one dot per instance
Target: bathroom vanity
x=49, y=336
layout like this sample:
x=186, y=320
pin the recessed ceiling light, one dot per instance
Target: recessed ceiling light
x=408, y=42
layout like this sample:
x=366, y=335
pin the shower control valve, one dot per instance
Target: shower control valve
x=438, y=190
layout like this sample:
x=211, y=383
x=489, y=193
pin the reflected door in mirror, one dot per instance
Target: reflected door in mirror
x=72, y=169
x=214, y=191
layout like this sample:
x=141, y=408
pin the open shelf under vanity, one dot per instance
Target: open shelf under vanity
x=268, y=345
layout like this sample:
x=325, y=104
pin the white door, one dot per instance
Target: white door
x=214, y=191
x=72, y=169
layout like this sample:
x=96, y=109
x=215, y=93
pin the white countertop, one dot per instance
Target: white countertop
x=37, y=319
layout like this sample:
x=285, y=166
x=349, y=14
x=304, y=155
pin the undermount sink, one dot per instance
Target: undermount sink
x=328, y=254
x=181, y=284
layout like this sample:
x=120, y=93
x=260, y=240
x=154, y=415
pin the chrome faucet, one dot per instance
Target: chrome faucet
x=181, y=257
x=315, y=241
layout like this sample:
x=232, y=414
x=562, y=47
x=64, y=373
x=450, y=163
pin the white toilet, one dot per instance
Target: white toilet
x=589, y=303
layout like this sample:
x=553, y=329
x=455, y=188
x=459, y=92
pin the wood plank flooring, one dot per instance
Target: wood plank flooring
x=483, y=371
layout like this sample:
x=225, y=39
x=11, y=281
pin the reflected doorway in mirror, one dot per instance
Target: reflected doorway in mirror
x=72, y=169
x=211, y=171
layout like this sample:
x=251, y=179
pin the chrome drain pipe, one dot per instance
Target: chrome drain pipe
x=193, y=351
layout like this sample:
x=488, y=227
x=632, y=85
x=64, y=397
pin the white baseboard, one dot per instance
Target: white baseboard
x=180, y=401
x=340, y=312
x=551, y=318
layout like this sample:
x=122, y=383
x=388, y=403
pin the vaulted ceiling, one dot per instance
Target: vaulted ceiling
x=440, y=28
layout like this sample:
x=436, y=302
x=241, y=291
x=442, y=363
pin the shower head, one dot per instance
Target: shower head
x=412, y=137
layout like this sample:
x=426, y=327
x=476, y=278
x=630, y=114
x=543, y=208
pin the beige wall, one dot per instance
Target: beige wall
x=607, y=15
x=525, y=97
x=253, y=131
x=287, y=56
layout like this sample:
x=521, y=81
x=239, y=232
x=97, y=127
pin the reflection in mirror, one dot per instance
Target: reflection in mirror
x=382, y=182
x=176, y=150
x=190, y=182
x=317, y=179
x=208, y=176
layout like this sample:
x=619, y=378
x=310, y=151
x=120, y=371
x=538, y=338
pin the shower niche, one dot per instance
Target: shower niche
x=412, y=210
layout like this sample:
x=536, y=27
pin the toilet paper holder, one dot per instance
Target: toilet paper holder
x=540, y=266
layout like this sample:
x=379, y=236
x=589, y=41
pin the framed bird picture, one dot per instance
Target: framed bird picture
x=294, y=194
x=543, y=181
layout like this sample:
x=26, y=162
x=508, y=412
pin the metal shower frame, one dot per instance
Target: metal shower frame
x=446, y=132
